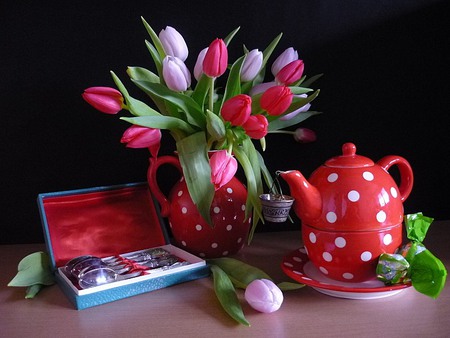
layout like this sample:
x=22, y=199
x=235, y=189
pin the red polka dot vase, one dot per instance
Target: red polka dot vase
x=190, y=231
x=351, y=211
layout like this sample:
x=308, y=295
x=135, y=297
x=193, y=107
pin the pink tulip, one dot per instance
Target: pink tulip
x=142, y=137
x=290, y=73
x=237, y=109
x=283, y=59
x=198, y=68
x=223, y=168
x=252, y=65
x=304, y=135
x=256, y=126
x=173, y=43
x=175, y=74
x=276, y=100
x=105, y=99
x=263, y=295
x=261, y=87
x=216, y=59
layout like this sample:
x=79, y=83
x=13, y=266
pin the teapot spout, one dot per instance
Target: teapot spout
x=308, y=201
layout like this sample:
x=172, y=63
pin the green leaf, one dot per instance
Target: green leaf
x=309, y=82
x=230, y=36
x=288, y=286
x=142, y=74
x=300, y=90
x=194, y=114
x=282, y=124
x=34, y=271
x=201, y=90
x=215, y=126
x=157, y=59
x=270, y=48
x=233, y=86
x=160, y=122
x=155, y=39
x=194, y=160
x=226, y=294
x=239, y=272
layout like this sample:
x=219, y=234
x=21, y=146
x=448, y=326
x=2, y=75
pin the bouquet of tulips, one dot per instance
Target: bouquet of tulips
x=201, y=118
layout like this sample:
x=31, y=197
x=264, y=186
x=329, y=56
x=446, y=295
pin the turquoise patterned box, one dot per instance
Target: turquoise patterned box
x=111, y=221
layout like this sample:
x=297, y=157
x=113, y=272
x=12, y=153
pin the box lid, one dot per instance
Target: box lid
x=100, y=221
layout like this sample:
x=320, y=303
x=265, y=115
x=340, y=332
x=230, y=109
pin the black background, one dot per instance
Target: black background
x=385, y=88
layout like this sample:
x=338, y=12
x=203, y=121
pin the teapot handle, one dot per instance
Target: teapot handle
x=155, y=163
x=406, y=174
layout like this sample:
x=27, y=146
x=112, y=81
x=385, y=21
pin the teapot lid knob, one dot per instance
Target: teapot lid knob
x=348, y=149
x=349, y=158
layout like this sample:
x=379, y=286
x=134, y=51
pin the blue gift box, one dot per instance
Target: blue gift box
x=110, y=221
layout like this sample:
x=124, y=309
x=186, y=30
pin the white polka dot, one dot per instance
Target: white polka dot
x=331, y=217
x=180, y=193
x=183, y=243
x=323, y=270
x=225, y=253
x=381, y=216
x=366, y=256
x=332, y=177
x=229, y=227
x=198, y=227
x=184, y=210
x=214, y=245
x=347, y=275
x=289, y=265
x=243, y=207
x=394, y=192
x=302, y=250
x=353, y=196
x=312, y=237
x=340, y=242
x=216, y=210
x=387, y=239
x=297, y=259
x=327, y=256
x=368, y=176
x=239, y=240
x=229, y=190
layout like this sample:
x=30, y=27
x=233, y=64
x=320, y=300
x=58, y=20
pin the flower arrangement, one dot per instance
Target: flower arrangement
x=202, y=118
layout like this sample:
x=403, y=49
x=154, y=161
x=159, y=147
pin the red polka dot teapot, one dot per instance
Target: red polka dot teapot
x=351, y=211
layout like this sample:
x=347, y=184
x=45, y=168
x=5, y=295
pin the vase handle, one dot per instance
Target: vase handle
x=155, y=163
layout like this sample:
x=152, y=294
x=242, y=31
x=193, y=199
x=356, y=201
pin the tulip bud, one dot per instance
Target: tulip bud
x=304, y=135
x=283, y=59
x=173, y=43
x=291, y=72
x=223, y=168
x=252, y=65
x=198, y=68
x=263, y=295
x=216, y=59
x=256, y=126
x=276, y=100
x=142, y=137
x=237, y=109
x=175, y=74
x=105, y=99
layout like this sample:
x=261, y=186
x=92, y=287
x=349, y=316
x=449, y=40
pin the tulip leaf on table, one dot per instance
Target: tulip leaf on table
x=34, y=272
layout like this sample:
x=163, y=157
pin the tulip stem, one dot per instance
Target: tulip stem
x=211, y=94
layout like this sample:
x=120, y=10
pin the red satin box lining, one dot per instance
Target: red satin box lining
x=102, y=222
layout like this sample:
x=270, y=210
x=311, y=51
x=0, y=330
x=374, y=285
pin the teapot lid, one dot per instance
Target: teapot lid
x=349, y=159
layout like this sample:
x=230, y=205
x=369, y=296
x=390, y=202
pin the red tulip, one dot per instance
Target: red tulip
x=276, y=100
x=289, y=55
x=142, y=137
x=304, y=135
x=291, y=72
x=223, y=168
x=256, y=126
x=105, y=99
x=216, y=59
x=237, y=109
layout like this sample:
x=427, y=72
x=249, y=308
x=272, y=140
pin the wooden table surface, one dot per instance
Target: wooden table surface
x=192, y=310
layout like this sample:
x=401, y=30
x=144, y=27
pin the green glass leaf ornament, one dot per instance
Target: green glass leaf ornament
x=428, y=274
x=226, y=294
x=34, y=272
x=193, y=156
x=417, y=226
